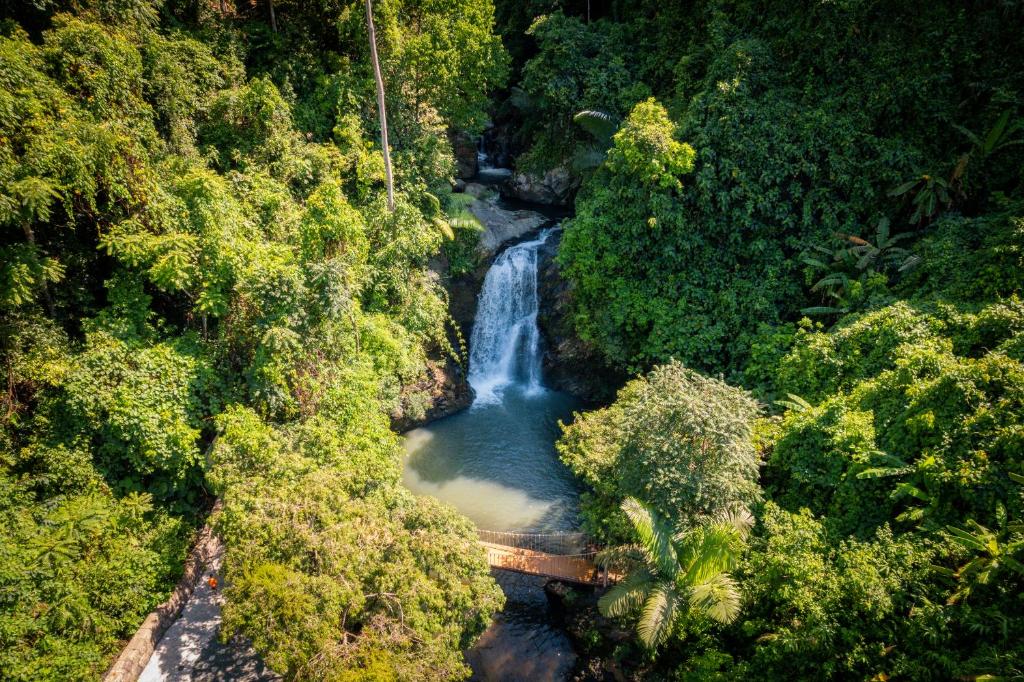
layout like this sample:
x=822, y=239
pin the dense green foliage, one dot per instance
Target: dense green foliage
x=804, y=119
x=203, y=294
x=322, y=540
x=824, y=207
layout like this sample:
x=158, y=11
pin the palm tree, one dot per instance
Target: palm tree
x=677, y=571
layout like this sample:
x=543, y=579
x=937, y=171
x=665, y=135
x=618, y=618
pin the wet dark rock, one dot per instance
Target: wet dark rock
x=476, y=189
x=556, y=187
x=458, y=186
x=443, y=390
x=497, y=144
x=595, y=638
x=494, y=175
x=462, y=299
x=502, y=225
x=570, y=364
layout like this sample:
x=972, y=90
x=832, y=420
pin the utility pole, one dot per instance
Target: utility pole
x=381, y=109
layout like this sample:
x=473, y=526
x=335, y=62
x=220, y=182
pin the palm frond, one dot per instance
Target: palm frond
x=739, y=519
x=884, y=472
x=814, y=262
x=823, y=310
x=622, y=558
x=996, y=133
x=885, y=465
x=708, y=551
x=587, y=159
x=904, y=188
x=659, y=615
x=795, y=403
x=835, y=279
x=627, y=596
x=600, y=124
x=966, y=539
x=655, y=536
x=718, y=598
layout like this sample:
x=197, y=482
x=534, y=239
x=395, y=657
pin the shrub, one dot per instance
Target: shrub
x=677, y=440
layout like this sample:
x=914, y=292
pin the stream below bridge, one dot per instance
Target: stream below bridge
x=496, y=463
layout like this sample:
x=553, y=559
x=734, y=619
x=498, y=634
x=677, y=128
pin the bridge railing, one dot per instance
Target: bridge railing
x=566, y=543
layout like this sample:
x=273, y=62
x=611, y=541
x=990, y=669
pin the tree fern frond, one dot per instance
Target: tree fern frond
x=460, y=200
x=444, y=227
x=464, y=220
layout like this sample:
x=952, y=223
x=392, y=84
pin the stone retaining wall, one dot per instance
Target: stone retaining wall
x=133, y=658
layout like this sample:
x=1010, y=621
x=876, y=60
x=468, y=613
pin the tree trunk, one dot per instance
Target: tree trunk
x=30, y=237
x=273, y=17
x=381, y=109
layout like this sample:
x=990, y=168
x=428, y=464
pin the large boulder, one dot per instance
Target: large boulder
x=556, y=187
x=500, y=225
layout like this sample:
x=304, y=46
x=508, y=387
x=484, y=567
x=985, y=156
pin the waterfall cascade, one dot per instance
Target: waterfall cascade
x=505, y=343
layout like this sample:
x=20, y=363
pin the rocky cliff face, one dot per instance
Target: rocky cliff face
x=442, y=391
x=570, y=364
x=556, y=187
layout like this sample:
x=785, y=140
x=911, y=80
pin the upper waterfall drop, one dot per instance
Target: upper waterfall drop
x=505, y=342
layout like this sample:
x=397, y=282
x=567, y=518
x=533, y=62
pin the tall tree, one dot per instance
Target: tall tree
x=381, y=108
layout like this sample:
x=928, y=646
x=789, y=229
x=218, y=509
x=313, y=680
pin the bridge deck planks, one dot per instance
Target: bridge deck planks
x=578, y=569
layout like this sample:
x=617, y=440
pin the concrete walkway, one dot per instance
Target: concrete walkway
x=190, y=652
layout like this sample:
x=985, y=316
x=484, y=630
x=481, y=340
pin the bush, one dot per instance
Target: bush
x=677, y=440
x=332, y=564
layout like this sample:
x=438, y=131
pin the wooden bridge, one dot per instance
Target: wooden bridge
x=565, y=556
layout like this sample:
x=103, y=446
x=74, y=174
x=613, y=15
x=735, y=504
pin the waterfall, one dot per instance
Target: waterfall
x=505, y=343
x=481, y=153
